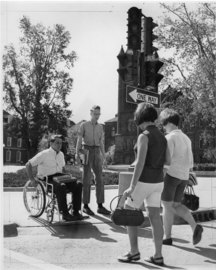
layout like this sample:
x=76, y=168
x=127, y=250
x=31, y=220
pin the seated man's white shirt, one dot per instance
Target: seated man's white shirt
x=48, y=162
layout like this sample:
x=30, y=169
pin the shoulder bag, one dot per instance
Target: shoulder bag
x=126, y=217
x=190, y=200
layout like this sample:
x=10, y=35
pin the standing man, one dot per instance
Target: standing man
x=50, y=162
x=91, y=135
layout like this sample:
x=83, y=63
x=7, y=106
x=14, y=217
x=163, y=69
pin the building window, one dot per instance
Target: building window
x=131, y=125
x=5, y=120
x=113, y=132
x=8, y=155
x=19, y=142
x=18, y=156
x=9, y=140
x=201, y=143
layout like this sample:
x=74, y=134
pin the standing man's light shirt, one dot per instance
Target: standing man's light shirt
x=92, y=133
x=49, y=162
x=181, y=154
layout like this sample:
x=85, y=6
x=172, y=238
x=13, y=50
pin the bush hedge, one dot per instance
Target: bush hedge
x=19, y=178
x=205, y=167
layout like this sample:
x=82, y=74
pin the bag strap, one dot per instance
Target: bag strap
x=118, y=196
x=189, y=189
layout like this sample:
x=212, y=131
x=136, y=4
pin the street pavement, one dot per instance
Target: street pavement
x=96, y=242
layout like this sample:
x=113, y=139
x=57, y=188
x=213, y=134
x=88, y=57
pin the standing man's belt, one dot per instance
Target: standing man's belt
x=92, y=146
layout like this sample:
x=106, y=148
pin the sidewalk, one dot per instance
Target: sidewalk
x=96, y=242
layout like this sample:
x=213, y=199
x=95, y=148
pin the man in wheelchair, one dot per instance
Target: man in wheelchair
x=51, y=163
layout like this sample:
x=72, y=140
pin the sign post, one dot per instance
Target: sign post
x=138, y=95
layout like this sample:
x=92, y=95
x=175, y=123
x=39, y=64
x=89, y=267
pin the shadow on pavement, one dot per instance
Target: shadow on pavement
x=210, y=261
x=210, y=227
x=144, y=232
x=74, y=230
x=178, y=240
x=205, y=252
x=148, y=266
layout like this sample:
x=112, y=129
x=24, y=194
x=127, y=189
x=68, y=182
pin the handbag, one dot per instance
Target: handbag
x=192, y=181
x=190, y=200
x=126, y=217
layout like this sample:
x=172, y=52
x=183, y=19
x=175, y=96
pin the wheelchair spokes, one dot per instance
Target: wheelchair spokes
x=34, y=199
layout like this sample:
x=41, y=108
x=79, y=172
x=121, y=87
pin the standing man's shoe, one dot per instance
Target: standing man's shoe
x=88, y=211
x=197, y=235
x=103, y=210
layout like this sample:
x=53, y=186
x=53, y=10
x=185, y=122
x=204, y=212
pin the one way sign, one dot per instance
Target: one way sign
x=137, y=95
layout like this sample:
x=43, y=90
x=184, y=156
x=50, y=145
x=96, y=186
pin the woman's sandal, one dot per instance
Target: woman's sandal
x=156, y=261
x=129, y=258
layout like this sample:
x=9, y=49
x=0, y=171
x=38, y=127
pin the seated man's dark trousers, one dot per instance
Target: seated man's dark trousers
x=60, y=189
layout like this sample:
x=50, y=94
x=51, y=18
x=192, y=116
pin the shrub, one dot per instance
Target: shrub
x=204, y=167
x=19, y=178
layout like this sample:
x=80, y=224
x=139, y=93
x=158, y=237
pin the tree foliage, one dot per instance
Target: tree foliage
x=190, y=35
x=36, y=82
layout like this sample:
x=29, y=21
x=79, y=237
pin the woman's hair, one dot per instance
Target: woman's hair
x=145, y=112
x=169, y=116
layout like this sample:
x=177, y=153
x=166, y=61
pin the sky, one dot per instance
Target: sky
x=98, y=30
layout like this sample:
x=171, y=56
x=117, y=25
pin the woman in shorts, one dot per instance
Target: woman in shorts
x=177, y=177
x=147, y=182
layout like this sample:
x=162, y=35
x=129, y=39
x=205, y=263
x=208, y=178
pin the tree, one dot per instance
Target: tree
x=72, y=139
x=110, y=154
x=192, y=67
x=36, y=82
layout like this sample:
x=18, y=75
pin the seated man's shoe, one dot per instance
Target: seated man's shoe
x=68, y=217
x=197, y=235
x=103, y=210
x=88, y=211
x=167, y=242
x=79, y=216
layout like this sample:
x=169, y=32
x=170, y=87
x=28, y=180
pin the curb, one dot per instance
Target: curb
x=10, y=230
x=20, y=189
x=200, y=215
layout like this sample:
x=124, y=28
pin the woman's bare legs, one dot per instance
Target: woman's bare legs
x=157, y=229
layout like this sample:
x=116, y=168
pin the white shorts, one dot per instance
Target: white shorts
x=150, y=194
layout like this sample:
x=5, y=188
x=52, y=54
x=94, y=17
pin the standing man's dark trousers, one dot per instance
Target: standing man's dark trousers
x=95, y=163
x=60, y=189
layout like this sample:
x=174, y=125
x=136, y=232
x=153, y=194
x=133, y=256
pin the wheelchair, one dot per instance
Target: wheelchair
x=41, y=198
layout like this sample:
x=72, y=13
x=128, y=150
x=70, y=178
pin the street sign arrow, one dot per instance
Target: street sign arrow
x=137, y=95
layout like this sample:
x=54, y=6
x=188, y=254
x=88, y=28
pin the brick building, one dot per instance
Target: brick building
x=124, y=127
x=110, y=130
x=194, y=131
x=122, y=130
x=14, y=150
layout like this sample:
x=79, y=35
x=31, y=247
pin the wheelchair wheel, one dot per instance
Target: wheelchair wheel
x=34, y=199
